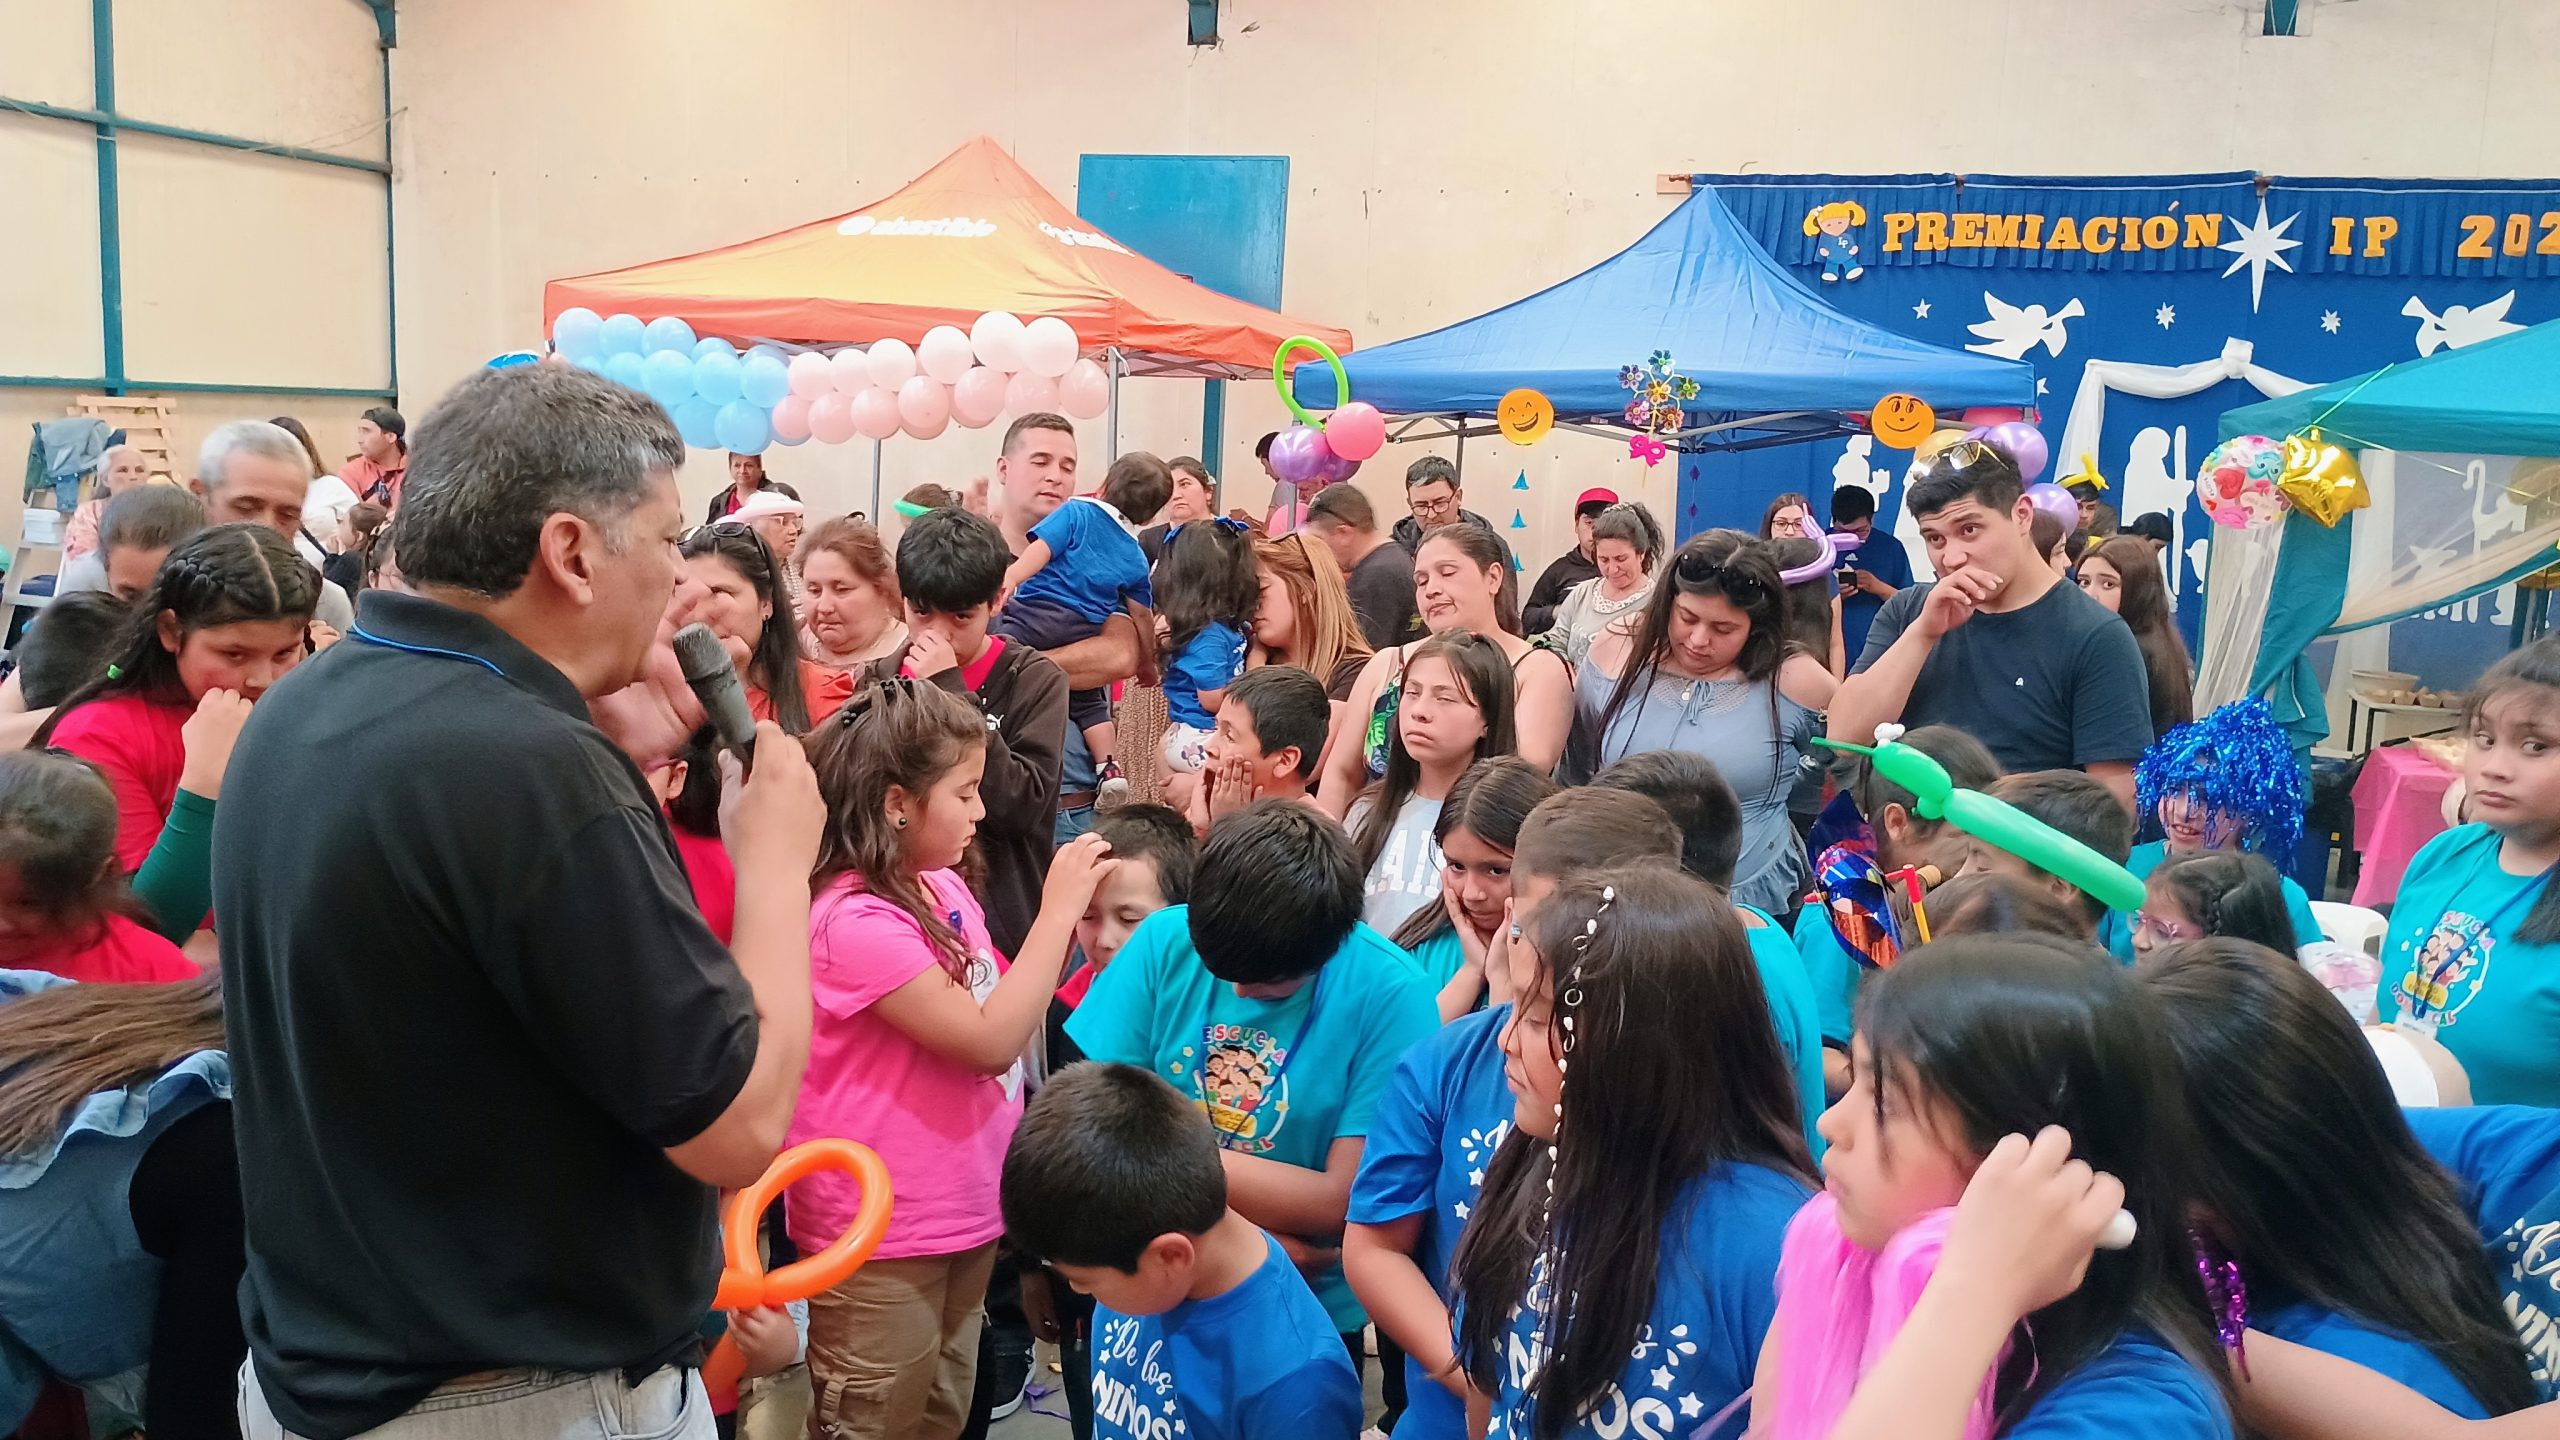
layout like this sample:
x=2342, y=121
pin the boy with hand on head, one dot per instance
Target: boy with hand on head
x=1082, y=566
x=2072, y=803
x=950, y=568
x=1202, y=1325
x=1267, y=744
x=1269, y=1003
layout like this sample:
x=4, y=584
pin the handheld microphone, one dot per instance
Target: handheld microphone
x=2119, y=1232
x=714, y=680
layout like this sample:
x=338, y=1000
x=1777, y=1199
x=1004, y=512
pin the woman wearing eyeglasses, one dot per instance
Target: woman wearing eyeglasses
x=1462, y=580
x=750, y=606
x=1707, y=671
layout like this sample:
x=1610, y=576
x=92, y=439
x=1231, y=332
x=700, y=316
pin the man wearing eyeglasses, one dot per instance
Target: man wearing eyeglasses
x=1431, y=492
x=1999, y=647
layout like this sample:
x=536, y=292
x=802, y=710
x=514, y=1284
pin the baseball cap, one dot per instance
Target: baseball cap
x=1597, y=497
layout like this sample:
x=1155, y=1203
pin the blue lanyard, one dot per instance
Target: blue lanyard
x=358, y=632
x=2418, y=1008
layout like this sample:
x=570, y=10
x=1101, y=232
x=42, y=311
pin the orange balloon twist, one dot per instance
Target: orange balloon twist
x=744, y=1285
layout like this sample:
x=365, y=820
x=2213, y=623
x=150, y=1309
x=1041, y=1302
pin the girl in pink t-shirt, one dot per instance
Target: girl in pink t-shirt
x=915, y=1050
x=61, y=895
x=227, y=615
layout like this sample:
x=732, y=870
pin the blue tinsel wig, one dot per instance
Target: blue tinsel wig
x=2237, y=760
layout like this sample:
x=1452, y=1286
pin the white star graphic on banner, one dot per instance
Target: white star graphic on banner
x=2258, y=247
x=2165, y=316
x=2329, y=321
x=1920, y=311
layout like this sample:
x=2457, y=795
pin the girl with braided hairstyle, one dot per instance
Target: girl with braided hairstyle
x=226, y=617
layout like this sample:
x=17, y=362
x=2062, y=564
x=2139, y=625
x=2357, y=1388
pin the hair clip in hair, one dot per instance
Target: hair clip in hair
x=115, y=672
x=1230, y=524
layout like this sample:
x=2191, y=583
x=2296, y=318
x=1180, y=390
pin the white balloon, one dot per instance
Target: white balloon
x=1085, y=393
x=875, y=414
x=1026, y=392
x=850, y=370
x=944, y=354
x=811, y=376
x=997, y=341
x=926, y=432
x=979, y=397
x=892, y=363
x=1048, y=346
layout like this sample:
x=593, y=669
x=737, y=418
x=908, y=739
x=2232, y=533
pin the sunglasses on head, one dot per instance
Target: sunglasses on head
x=1698, y=571
x=730, y=529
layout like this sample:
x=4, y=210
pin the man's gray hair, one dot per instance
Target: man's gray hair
x=246, y=437
x=507, y=450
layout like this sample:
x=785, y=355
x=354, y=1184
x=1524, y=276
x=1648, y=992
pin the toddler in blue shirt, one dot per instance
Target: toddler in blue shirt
x=1083, y=566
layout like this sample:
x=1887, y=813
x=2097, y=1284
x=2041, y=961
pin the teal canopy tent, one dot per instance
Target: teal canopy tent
x=2498, y=397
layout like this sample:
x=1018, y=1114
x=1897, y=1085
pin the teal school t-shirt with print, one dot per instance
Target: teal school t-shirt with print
x=1791, y=1009
x=2116, y=932
x=2453, y=962
x=1282, y=1079
x=1832, y=971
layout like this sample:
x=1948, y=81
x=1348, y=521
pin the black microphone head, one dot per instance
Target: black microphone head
x=700, y=653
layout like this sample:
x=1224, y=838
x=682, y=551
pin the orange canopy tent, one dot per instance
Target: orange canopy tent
x=973, y=234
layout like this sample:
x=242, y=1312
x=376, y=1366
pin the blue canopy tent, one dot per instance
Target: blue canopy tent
x=2462, y=504
x=1774, y=363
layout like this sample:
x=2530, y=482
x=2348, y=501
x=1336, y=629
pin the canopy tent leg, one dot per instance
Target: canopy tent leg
x=1111, y=417
x=876, y=449
x=1213, y=424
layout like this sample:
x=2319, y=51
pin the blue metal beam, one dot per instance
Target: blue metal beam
x=107, y=121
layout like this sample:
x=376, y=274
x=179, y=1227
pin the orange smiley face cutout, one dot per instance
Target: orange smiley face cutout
x=1903, y=421
x=1524, y=416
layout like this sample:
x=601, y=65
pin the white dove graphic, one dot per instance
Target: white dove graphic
x=2012, y=331
x=2460, y=325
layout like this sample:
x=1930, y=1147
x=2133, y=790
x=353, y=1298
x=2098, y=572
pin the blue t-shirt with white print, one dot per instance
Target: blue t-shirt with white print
x=1261, y=1362
x=1715, y=1292
x=1446, y=1110
x=2506, y=1159
x=1095, y=562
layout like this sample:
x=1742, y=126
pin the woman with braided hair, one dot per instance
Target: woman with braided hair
x=224, y=619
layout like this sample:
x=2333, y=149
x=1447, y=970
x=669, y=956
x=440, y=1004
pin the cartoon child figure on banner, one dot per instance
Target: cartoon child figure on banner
x=1828, y=226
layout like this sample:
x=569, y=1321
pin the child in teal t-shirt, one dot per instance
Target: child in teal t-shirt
x=1268, y=1003
x=2229, y=781
x=2474, y=949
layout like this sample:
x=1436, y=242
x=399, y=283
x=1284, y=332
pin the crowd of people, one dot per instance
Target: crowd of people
x=1254, y=948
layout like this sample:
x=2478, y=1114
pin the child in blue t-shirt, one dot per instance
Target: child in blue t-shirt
x=1698, y=800
x=1082, y=566
x=2301, y=1159
x=1897, y=838
x=1448, y=1110
x=1211, y=589
x=1202, y=1327
x=2227, y=782
x=2505, y=1160
x=2474, y=949
x=1944, y=1281
x=1619, y=1272
x=1268, y=1002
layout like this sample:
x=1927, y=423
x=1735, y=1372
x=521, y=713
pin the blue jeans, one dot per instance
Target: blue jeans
x=528, y=1405
x=1070, y=824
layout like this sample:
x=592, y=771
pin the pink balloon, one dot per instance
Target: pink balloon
x=924, y=403
x=927, y=432
x=2022, y=443
x=791, y=419
x=811, y=375
x=1987, y=416
x=1356, y=431
x=1299, y=455
x=830, y=417
x=1085, y=393
x=1026, y=392
x=978, y=396
x=851, y=372
x=875, y=414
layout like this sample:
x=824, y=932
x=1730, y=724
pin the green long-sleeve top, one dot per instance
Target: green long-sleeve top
x=176, y=879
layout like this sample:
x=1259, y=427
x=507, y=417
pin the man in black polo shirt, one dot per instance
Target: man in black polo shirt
x=490, y=1060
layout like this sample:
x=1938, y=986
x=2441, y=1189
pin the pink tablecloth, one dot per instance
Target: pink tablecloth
x=2399, y=800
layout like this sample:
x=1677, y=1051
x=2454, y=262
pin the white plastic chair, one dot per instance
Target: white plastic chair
x=2353, y=926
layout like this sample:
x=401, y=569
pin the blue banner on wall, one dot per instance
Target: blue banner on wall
x=2318, y=279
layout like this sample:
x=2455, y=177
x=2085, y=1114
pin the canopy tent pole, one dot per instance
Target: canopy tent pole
x=1111, y=416
x=876, y=447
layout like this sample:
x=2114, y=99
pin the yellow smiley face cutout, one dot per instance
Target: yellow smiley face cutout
x=1902, y=421
x=1524, y=416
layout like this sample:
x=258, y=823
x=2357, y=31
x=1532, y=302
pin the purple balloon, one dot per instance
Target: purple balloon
x=1299, y=454
x=1337, y=467
x=2022, y=443
x=2057, y=502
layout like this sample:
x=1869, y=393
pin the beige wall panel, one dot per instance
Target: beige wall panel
x=49, y=321
x=1443, y=159
x=304, y=73
x=246, y=269
x=44, y=51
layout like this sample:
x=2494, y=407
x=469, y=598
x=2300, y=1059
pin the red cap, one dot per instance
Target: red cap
x=1596, y=495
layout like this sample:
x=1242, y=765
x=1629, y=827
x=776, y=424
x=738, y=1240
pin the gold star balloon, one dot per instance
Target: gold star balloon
x=2321, y=478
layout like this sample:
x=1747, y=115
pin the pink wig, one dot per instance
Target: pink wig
x=1839, y=1306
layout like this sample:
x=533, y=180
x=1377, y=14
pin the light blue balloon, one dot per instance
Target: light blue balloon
x=779, y=439
x=744, y=429
x=595, y=360
x=627, y=368
x=715, y=378
x=622, y=335
x=575, y=332
x=669, y=379
x=776, y=351
x=698, y=421
x=710, y=343
x=764, y=380
x=669, y=333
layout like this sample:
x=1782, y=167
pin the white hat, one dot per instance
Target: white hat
x=765, y=505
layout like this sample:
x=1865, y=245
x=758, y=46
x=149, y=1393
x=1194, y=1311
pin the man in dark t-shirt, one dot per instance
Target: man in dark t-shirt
x=1377, y=571
x=1999, y=647
x=490, y=1062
